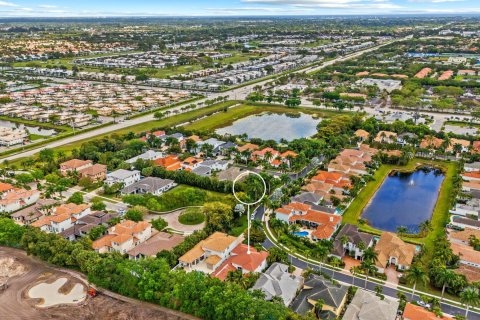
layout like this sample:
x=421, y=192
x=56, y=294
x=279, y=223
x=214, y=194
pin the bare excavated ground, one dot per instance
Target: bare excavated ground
x=25, y=271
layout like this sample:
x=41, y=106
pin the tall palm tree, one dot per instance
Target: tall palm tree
x=344, y=241
x=369, y=268
x=470, y=298
x=370, y=255
x=322, y=253
x=415, y=275
x=445, y=277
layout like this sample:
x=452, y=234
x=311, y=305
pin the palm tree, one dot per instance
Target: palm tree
x=414, y=275
x=344, y=241
x=445, y=277
x=368, y=267
x=370, y=255
x=470, y=298
x=353, y=271
x=425, y=227
x=401, y=230
x=322, y=253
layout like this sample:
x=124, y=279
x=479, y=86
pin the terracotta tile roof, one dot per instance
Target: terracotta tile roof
x=5, y=186
x=473, y=174
x=431, y=142
x=94, y=170
x=446, y=75
x=470, y=272
x=240, y=258
x=297, y=206
x=465, y=252
x=170, y=162
x=390, y=245
x=248, y=146
x=288, y=153
x=121, y=238
x=217, y=241
x=283, y=211
x=476, y=146
x=414, y=312
x=71, y=208
x=317, y=217
x=423, y=73
x=464, y=235
x=105, y=241
x=362, y=133
x=75, y=163
x=213, y=259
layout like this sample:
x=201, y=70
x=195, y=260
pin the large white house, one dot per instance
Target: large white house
x=126, y=177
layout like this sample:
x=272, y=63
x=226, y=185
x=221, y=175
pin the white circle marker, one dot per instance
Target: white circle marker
x=248, y=204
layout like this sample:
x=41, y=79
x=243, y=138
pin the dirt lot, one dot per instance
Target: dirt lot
x=15, y=304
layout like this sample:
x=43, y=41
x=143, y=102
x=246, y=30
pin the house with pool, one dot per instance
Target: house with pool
x=314, y=224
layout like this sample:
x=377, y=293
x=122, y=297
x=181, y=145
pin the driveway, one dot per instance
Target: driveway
x=392, y=274
x=173, y=223
x=350, y=262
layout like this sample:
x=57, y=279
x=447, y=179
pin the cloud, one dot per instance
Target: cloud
x=7, y=4
x=331, y=4
x=47, y=6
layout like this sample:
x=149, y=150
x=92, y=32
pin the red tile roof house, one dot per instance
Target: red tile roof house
x=157, y=134
x=240, y=260
x=324, y=224
x=338, y=180
x=97, y=172
x=74, y=165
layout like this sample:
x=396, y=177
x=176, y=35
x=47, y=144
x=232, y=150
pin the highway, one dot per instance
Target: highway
x=234, y=94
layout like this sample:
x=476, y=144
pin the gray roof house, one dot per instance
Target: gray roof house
x=151, y=185
x=276, y=281
x=315, y=288
x=148, y=155
x=354, y=237
x=127, y=177
x=308, y=197
x=85, y=224
x=367, y=306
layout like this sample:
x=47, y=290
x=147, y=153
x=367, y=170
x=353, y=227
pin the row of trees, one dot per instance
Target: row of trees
x=148, y=279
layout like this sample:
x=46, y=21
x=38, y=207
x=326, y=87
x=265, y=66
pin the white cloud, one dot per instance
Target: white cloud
x=47, y=6
x=7, y=4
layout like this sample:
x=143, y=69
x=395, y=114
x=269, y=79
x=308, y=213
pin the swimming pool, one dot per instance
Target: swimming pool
x=301, y=233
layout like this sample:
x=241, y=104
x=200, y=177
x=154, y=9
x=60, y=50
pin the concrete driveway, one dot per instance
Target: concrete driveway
x=173, y=223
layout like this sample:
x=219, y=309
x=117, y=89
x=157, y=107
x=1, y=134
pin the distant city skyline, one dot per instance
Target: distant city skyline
x=105, y=8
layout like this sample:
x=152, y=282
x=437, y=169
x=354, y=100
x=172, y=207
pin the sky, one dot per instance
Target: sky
x=103, y=8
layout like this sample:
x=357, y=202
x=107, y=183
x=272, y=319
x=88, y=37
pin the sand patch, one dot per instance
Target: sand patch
x=50, y=293
x=9, y=268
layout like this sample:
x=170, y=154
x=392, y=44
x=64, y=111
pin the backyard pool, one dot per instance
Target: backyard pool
x=301, y=233
x=404, y=200
x=272, y=126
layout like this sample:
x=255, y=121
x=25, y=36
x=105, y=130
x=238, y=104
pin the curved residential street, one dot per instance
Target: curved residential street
x=347, y=278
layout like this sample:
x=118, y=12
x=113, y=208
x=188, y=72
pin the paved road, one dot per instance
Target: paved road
x=358, y=282
x=234, y=94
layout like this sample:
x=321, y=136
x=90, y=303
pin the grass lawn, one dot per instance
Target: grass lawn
x=440, y=213
x=33, y=137
x=462, y=124
x=163, y=123
x=192, y=216
x=223, y=119
x=185, y=196
x=240, y=226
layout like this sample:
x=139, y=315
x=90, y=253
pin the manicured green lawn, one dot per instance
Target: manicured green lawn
x=192, y=216
x=440, y=214
x=240, y=226
x=163, y=123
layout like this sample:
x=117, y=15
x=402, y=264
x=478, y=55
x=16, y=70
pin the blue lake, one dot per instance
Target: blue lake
x=404, y=199
x=272, y=126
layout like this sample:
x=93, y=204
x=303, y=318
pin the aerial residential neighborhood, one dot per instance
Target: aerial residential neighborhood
x=238, y=159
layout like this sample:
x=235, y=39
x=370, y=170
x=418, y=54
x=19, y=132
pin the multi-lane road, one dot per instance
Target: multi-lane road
x=239, y=93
